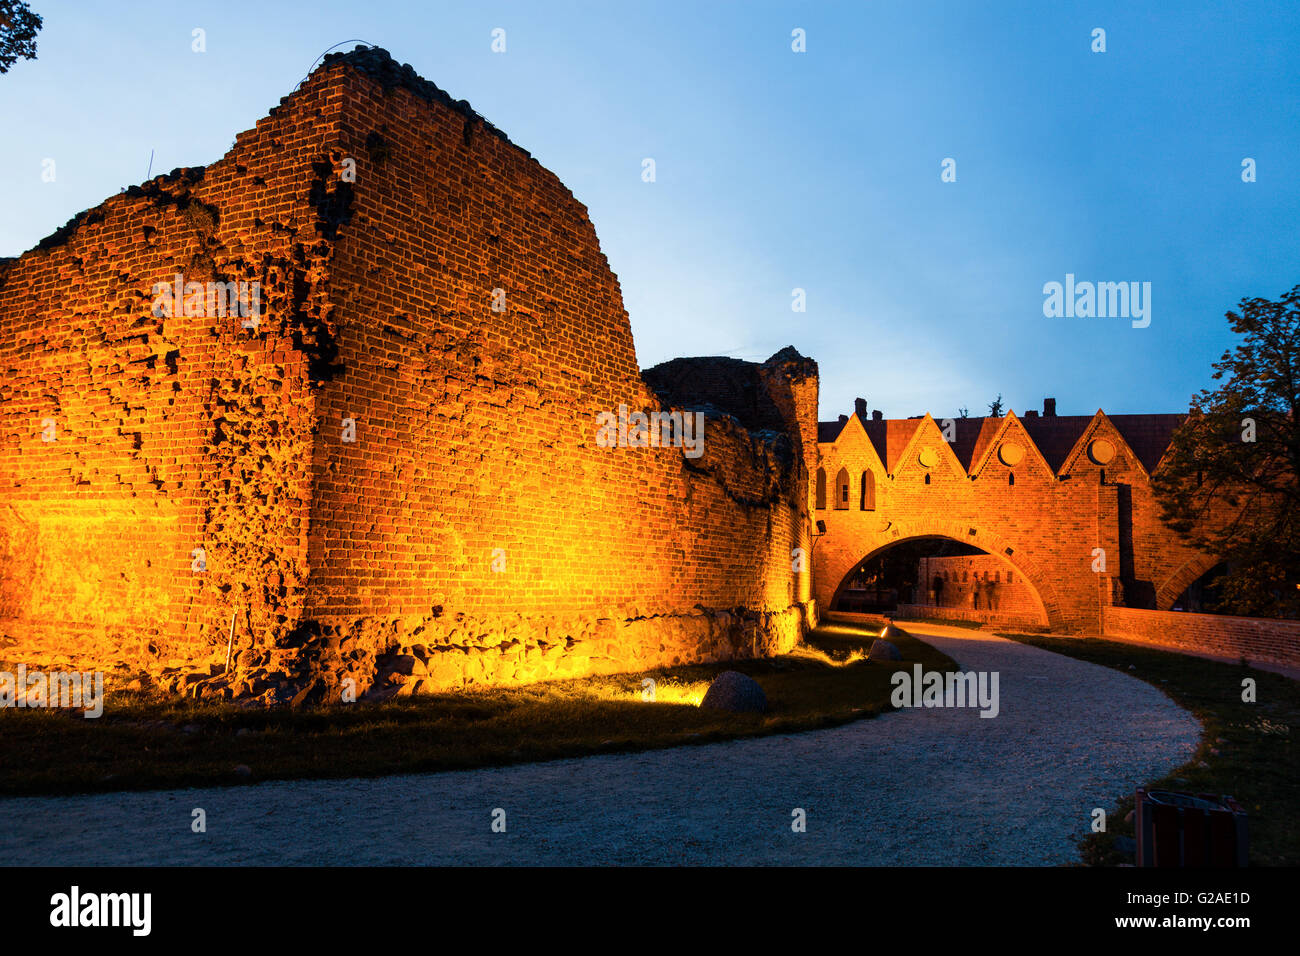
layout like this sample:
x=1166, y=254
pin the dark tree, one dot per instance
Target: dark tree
x=18, y=26
x=1228, y=483
x=995, y=407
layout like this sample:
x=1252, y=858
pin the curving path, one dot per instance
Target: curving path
x=919, y=787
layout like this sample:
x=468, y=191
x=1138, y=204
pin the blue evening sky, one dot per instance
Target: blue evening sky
x=779, y=170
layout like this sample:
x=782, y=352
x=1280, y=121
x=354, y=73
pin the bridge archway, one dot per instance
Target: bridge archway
x=834, y=565
x=1173, y=586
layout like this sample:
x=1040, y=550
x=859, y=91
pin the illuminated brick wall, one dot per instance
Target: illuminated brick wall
x=1032, y=492
x=980, y=584
x=1256, y=639
x=471, y=509
x=169, y=433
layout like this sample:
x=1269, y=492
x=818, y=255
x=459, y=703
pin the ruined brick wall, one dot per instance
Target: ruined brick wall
x=979, y=584
x=474, y=519
x=1256, y=639
x=170, y=432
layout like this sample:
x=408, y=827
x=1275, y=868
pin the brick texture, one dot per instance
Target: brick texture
x=1256, y=639
x=1043, y=496
x=474, y=515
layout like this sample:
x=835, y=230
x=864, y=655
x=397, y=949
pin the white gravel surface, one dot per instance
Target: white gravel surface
x=916, y=787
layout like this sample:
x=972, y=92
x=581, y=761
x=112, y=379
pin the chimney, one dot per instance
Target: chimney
x=877, y=415
x=843, y=419
x=1049, y=408
x=1032, y=413
x=860, y=406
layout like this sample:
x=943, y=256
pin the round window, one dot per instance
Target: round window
x=1011, y=454
x=1101, y=451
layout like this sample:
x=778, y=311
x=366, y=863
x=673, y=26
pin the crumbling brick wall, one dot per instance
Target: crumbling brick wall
x=170, y=432
x=474, y=517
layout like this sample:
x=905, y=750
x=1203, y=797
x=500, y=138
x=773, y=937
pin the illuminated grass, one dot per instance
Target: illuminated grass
x=151, y=742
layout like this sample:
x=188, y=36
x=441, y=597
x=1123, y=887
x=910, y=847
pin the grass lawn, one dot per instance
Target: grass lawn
x=147, y=742
x=1248, y=751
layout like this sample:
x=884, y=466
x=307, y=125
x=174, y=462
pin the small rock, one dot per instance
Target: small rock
x=883, y=650
x=733, y=691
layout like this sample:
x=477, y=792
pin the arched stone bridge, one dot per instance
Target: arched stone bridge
x=1064, y=502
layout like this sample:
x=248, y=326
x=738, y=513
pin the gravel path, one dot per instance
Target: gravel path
x=917, y=787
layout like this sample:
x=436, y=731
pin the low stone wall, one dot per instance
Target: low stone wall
x=967, y=614
x=1256, y=639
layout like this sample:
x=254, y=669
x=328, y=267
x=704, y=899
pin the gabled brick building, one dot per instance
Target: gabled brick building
x=1064, y=503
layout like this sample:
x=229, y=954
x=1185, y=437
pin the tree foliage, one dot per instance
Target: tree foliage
x=1228, y=483
x=18, y=26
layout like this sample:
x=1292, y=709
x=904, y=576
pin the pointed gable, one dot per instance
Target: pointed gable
x=853, y=446
x=1101, y=446
x=926, y=437
x=1013, y=448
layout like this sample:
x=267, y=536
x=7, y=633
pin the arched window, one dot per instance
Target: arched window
x=1011, y=478
x=821, y=489
x=868, y=491
x=927, y=477
x=842, y=489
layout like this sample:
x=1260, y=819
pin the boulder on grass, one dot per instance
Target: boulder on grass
x=882, y=650
x=733, y=691
x=891, y=632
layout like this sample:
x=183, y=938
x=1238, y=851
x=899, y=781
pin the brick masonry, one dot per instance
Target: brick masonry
x=400, y=460
x=474, y=518
x=979, y=584
x=1257, y=640
x=1045, y=496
